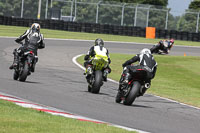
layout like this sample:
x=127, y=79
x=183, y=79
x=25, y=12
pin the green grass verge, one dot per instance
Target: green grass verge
x=177, y=77
x=16, y=119
x=17, y=31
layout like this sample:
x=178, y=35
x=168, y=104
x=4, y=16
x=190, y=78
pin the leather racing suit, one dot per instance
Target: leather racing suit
x=91, y=53
x=33, y=41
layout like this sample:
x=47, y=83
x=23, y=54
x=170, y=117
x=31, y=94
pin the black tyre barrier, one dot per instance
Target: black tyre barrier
x=99, y=28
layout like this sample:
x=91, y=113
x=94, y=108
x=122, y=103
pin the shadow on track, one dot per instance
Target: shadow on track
x=31, y=82
x=101, y=94
x=136, y=105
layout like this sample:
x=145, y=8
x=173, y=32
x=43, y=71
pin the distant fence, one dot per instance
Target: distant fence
x=98, y=28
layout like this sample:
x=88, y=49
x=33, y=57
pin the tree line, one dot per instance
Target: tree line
x=111, y=14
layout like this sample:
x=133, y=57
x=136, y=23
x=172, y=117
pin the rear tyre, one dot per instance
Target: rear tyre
x=97, y=83
x=132, y=94
x=24, y=72
x=15, y=75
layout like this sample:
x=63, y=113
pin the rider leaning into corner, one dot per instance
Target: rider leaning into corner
x=163, y=45
x=97, y=49
x=33, y=41
x=146, y=62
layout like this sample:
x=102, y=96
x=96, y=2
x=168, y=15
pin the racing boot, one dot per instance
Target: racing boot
x=126, y=77
x=16, y=60
x=124, y=81
x=14, y=65
x=105, y=73
x=88, y=73
x=34, y=64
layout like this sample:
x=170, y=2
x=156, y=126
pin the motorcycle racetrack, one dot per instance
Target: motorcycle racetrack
x=59, y=83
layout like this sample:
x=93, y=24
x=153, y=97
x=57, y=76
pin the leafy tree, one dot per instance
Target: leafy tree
x=195, y=5
x=10, y=7
x=31, y=8
x=173, y=22
x=13, y=8
x=157, y=19
x=86, y=13
x=188, y=21
x=150, y=2
x=156, y=2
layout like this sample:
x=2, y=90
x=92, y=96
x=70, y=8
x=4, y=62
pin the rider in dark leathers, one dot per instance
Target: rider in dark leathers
x=164, y=45
x=146, y=62
x=33, y=41
x=99, y=44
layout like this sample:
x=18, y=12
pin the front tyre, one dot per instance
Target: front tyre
x=132, y=94
x=97, y=82
x=24, y=73
x=15, y=75
x=89, y=88
x=118, y=98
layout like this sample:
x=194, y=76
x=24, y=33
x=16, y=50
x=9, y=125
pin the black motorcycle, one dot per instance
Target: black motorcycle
x=135, y=88
x=26, y=65
x=161, y=49
x=161, y=52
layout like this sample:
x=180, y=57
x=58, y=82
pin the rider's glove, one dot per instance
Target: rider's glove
x=41, y=45
x=17, y=40
x=124, y=65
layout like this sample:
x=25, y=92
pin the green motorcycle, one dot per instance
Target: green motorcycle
x=94, y=73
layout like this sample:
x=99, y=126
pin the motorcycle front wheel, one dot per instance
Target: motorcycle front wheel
x=89, y=88
x=118, y=98
x=15, y=75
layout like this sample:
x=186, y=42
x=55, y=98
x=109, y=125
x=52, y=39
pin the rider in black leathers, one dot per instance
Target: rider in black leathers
x=146, y=62
x=163, y=45
x=33, y=41
x=99, y=44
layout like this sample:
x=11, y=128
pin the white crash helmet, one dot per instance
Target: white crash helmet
x=35, y=27
x=145, y=51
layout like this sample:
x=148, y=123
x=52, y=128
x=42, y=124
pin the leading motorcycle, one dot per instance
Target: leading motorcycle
x=26, y=65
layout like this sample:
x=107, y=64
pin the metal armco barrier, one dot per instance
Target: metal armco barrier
x=98, y=28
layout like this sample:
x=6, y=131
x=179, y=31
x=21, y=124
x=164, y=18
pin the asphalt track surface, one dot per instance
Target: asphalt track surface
x=59, y=83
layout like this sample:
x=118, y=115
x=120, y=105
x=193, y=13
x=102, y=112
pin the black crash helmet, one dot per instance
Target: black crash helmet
x=99, y=42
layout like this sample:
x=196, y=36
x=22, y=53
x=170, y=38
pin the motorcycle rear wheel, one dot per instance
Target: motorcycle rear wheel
x=97, y=83
x=132, y=94
x=24, y=73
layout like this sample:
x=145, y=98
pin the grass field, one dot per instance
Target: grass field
x=17, y=31
x=16, y=119
x=177, y=77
